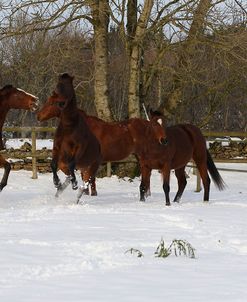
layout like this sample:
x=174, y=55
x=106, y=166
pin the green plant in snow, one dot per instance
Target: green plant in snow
x=162, y=251
x=178, y=247
x=135, y=251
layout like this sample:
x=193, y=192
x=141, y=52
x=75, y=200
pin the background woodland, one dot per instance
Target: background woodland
x=187, y=58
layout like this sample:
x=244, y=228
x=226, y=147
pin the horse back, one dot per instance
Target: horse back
x=180, y=145
x=189, y=142
x=114, y=138
x=196, y=137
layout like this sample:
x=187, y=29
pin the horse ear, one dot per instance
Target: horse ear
x=151, y=112
x=5, y=89
x=154, y=113
x=65, y=75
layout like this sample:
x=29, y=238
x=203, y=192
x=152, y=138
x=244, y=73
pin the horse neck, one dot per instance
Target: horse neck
x=70, y=114
x=17, y=104
x=141, y=131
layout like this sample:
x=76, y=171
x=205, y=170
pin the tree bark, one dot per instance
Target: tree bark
x=134, y=63
x=101, y=22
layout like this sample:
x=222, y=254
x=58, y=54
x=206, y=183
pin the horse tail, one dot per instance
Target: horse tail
x=217, y=179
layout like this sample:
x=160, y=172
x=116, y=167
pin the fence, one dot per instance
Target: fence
x=33, y=131
x=208, y=134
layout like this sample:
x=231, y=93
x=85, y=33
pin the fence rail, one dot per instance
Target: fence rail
x=34, y=130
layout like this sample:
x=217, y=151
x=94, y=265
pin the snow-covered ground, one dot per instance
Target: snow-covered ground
x=40, y=143
x=54, y=250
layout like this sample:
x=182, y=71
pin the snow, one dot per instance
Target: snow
x=55, y=250
x=40, y=143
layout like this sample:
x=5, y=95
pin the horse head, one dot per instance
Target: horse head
x=50, y=109
x=158, y=123
x=15, y=98
x=158, y=126
x=60, y=98
x=65, y=89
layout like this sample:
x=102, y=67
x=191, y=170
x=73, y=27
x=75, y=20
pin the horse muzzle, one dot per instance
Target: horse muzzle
x=35, y=105
x=164, y=141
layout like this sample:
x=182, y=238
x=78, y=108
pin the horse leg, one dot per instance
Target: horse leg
x=56, y=180
x=7, y=168
x=85, y=189
x=71, y=166
x=88, y=177
x=54, y=161
x=182, y=182
x=92, y=182
x=202, y=168
x=92, y=179
x=166, y=183
x=145, y=181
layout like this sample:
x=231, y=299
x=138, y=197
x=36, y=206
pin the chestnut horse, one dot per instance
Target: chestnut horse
x=115, y=138
x=12, y=98
x=75, y=146
x=185, y=142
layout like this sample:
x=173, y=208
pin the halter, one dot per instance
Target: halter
x=145, y=111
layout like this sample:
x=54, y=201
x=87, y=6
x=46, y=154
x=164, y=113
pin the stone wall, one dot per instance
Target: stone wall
x=228, y=150
x=22, y=158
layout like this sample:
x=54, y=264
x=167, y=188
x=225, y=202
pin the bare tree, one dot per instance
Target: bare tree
x=187, y=57
x=100, y=13
x=58, y=15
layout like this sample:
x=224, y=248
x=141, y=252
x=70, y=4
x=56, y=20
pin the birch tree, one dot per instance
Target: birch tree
x=58, y=15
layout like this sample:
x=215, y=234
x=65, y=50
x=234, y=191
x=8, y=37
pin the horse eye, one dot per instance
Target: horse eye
x=61, y=105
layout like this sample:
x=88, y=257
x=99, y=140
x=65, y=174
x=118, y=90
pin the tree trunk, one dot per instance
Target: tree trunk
x=134, y=61
x=101, y=21
x=131, y=23
x=196, y=29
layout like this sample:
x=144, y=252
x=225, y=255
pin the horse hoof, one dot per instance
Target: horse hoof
x=94, y=193
x=168, y=204
x=58, y=185
x=85, y=192
x=74, y=185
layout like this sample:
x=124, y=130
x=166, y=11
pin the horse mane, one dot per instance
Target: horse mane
x=155, y=113
x=8, y=86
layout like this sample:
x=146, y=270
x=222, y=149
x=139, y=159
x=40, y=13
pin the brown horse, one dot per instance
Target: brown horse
x=185, y=142
x=75, y=146
x=115, y=138
x=12, y=98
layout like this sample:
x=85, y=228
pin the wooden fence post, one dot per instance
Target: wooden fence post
x=108, y=169
x=34, y=160
x=198, y=181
